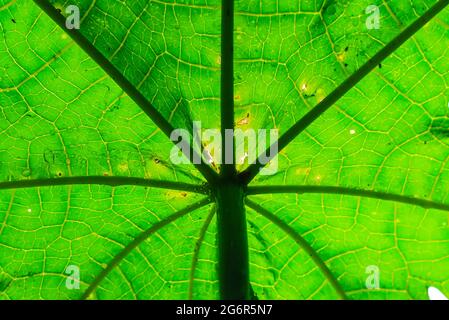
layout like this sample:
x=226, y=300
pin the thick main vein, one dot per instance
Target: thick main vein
x=102, y=180
x=427, y=204
x=138, y=240
x=250, y=173
x=303, y=244
x=123, y=83
x=227, y=87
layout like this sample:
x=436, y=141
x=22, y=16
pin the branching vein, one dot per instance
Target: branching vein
x=251, y=172
x=102, y=180
x=303, y=244
x=427, y=204
x=138, y=240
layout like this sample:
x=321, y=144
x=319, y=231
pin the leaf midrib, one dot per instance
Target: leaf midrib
x=227, y=86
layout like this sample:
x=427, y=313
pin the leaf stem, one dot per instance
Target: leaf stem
x=138, y=240
x=303, y=244
x=232, y=238
x=227, y=87
x=102, y=180
x=121, y=81
x=251, y=172
x=427, y=204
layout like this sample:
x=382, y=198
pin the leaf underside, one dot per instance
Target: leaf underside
x=85, y=173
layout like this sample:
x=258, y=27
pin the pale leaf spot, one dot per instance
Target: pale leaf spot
x=435, y=294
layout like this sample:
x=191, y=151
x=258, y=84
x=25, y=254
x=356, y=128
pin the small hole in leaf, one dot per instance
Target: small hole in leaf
x=435, y=294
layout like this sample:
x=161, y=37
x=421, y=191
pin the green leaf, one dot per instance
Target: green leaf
x=88, y=189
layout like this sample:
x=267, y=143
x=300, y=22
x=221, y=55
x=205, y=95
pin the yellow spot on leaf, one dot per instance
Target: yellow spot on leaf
x=341, y=56
x=302, y=171
x=123, y=166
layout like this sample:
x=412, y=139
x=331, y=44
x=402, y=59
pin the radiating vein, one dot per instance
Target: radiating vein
x=102, y=180
x=303, y=244
x=251, y=172
x=7, y=212
x=7, y=5
x=138, y=240
x=196, y=251
x=122, y=82
x=427, y=204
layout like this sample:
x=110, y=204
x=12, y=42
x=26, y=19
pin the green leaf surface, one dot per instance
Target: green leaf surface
x=86, y=179
x=291, y=54
x=169, y=51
